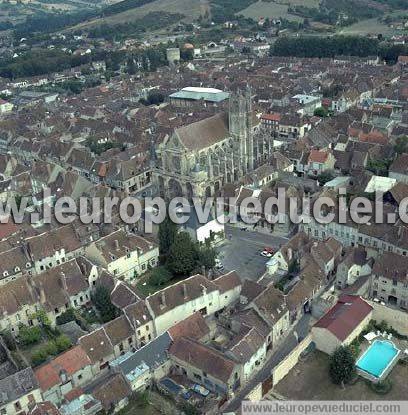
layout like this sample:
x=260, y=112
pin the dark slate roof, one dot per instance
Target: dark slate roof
x=17, y=385
x=152, y=354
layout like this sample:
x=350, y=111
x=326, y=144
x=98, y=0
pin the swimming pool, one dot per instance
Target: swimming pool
x=378, y=358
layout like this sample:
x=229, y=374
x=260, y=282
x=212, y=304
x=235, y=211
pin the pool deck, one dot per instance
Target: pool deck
x=365, y=346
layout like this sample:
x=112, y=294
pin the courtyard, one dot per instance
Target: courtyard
x=241, y=251
x=309, y=380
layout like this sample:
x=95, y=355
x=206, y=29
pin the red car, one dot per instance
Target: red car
x=267, y=252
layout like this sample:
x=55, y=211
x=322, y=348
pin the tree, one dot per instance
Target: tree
x=38, y=357
x=153, y=98
x=167, y=235
x=62, y=343
x=102, y=302
x=182, y=258
x=325, y=177
x=401, y=145
x=206, y=256
x=342, y=365
x=379, y=167
x=160, y=276
x=187, y=55
x=321, y=112
x=29, y=335
x=66, y=316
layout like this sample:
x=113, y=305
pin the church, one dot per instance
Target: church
x=196, y=160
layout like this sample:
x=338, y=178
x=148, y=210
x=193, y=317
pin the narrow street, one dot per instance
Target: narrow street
x=302, y=329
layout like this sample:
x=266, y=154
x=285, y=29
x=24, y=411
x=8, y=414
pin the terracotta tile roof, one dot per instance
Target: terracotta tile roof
x=118, y=330
x=318, y=156
x=44, y=408
x=194, y=327
x=97, y=345
x=177, y=294
x=7, y=229
x=112, y=391
x=345, y=316
x=228, y=282
x=203, y=357
x=138, y=314
x=73, y=360
x=400, y=164
x=271, y=117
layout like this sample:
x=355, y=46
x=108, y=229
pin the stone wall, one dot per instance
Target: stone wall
x=290, y=361
x=397, y=319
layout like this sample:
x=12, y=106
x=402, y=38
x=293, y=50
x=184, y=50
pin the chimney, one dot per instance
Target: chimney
x=42, y=294
x=64, y=282
x=82, y=267
x=203, y=289
x=184, y=291
x=117, y=244
x=163, y=299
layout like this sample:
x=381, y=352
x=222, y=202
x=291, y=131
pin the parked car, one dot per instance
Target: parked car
x=200, y=390
x=267, y=252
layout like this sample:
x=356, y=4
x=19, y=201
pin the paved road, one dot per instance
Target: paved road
x=302, y=329
x=242, y=252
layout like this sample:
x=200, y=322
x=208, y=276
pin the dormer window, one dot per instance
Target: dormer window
x=28, y=265
x=16, y=269
x=5, y=274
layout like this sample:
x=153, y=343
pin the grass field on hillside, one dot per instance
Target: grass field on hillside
x=367, y=27
x=190, y=8
x=274, y=9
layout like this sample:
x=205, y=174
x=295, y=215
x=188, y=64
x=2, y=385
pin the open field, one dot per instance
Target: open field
x=309, y=380
x=274, y=9
x=367, y=27
x=189, y=8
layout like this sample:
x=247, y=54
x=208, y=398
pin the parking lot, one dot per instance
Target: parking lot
x=242, y=252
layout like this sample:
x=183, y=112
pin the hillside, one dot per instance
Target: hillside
x=271, y=9
x=189, y=8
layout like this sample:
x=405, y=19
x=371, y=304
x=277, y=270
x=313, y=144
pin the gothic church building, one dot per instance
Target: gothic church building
x=199, y=158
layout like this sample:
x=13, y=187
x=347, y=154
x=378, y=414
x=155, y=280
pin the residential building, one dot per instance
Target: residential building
x=206, y=366
x=19, y=392
x=389, y=280
x=67, y=371
x=124, y=255
x=150, y=362
x=342, y=323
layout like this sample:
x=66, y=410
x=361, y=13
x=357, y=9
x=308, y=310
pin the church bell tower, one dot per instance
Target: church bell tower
x=240, y=128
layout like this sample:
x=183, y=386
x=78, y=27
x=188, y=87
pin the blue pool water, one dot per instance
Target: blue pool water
x=377, y=357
